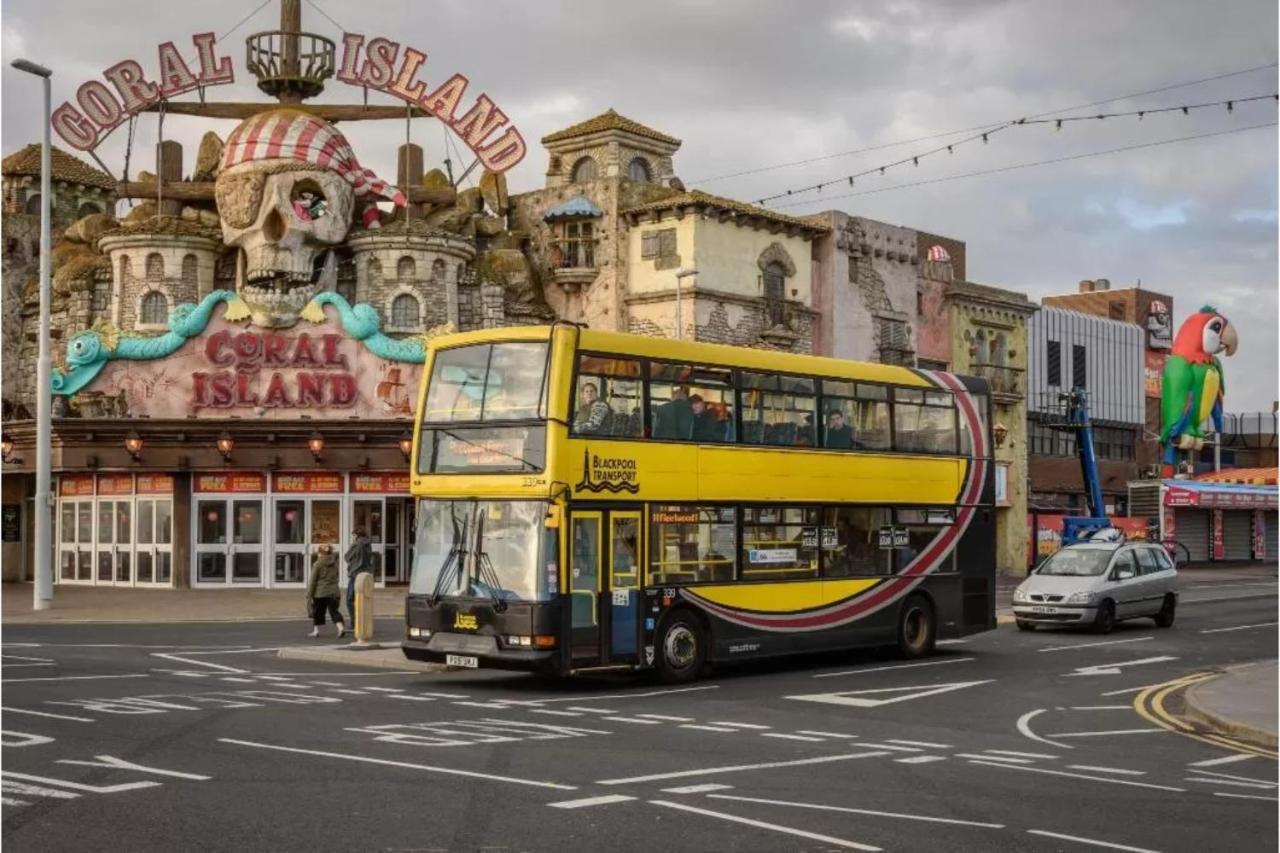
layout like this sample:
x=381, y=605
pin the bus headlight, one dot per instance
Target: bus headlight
x=524, y=641
x=420, y=633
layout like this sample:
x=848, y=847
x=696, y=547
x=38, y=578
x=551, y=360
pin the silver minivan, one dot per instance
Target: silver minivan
x=1097, y=584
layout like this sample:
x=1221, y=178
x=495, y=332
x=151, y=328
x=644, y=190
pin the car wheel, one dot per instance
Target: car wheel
x=1024, y=625
x=681, y=648
x=917, y=628
x=1105, y=621
x=1164, y=619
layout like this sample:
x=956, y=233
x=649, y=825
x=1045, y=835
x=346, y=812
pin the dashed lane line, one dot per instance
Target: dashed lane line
x=1238, y=628
x=893, y=747
x=1100, y=643
x=782, y=736
x=923, y=743
x=1119, y=771
x=851, y=810
x=75, y=677
x=1245, y=797
x=759, y=824
x=553, y=713
x=698, y=789
x=1094, y=841
x=738, y=768
x=894, y=666
x=587, y=710
x=1147, y=731
x=823, y=734
x=1049, y=772
x=920, y=759
x=756, y=726
x=667, y=718
x=636, y=720
x=701, y=728
x=1019, y=754
x=591, y=801
x=642, y=695
x=1001, y=758
x=1237, y=778
x=1228, y=759
x=68, y=717
x=1230, y=783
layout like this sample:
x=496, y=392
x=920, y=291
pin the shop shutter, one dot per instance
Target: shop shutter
x=1272, y=537
x=1237, y=534
x=1192, y=530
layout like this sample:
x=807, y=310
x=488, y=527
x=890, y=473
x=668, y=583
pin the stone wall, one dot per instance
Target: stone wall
x=425, y=266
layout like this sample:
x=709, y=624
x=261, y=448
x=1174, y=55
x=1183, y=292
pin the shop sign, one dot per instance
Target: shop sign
x=115, y=484
x=319, y=481
x=75, y=485
x=100, y=110
x=379, y=483
x=1216, y=534
x=154, y=484
x=257, y=372
x=1173, y=496
x=1259, y=535
x=1152, y=372
x=250, y=482
x=1170, y=524
x=381, y=65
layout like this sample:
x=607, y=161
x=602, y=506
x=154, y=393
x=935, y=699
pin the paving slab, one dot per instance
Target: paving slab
x=1240, y=703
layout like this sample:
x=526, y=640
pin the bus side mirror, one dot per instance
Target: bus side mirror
x=555, y=512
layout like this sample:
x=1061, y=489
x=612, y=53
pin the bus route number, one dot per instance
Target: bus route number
x=530, y=482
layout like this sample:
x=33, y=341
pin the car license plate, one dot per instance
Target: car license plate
x=462, y=660
x=1043, y=609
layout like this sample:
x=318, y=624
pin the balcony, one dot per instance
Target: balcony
x=290, y=65
x=1008, y=384
x=573, y=262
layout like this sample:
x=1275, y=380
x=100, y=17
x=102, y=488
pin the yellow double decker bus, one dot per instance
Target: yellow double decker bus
x=592, y=500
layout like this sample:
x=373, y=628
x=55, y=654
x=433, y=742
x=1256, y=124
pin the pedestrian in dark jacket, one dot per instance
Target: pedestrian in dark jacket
x=359, y=559
x=323, y=590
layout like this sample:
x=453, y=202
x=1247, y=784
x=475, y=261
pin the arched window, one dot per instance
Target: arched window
x=88, y=209
x=584, y=170
x=190, y=269
x=638, y=170
x=155, y=267
x=404, y=311
x=406, y=269
x=155, y=309
x=775, y=281
x=437, y=270
x=33, y=204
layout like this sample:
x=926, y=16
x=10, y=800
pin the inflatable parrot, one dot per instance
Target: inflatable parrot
x=1193, y=386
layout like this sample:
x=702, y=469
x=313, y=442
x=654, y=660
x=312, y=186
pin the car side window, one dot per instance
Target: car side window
x=1147, y=561
x=1162, y=559
x=1124, y=565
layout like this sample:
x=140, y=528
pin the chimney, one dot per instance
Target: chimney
x=1102, y=284
x=1086, y=286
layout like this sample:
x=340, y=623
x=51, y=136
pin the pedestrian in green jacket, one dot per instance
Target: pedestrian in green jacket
x=323, y=591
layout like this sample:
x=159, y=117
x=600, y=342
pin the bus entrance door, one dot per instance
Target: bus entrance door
x=584, y=587
x=624, y=585
x=604, y=587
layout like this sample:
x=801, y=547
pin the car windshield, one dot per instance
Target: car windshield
x=1078, y=562
x=484, y=549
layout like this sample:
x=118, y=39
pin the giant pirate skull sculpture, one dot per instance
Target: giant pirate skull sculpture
x=286, y=190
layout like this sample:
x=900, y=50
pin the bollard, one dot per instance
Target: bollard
x=363, y=627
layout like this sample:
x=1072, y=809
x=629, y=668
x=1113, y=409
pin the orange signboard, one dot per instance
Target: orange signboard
x=231, y=481
x=292, y=483
x=380, y=482
x=154, y=484
x=115, y=484
x=75, y=485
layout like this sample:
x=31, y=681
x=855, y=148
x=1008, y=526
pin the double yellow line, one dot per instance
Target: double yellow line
x=1150, y=705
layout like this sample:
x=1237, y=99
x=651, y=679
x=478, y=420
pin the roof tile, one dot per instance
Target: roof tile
x=608, y=120
x=26, y=161
x=698, y=198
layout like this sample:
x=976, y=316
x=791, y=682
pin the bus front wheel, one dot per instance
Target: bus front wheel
x=681, y=648
x=917, y=628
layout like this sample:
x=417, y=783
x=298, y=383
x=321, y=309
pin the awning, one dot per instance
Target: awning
x=578, y=207
x=1220, y=495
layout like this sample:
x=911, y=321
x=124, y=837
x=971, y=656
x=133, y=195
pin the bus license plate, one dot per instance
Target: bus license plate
x=1044, y=610
x=462, y=660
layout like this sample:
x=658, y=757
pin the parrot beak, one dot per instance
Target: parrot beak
x=1229, y=339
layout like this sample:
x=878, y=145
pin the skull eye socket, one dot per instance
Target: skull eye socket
x=308, y=201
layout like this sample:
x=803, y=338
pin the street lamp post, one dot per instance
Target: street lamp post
x=43, y=594
x=681, y=274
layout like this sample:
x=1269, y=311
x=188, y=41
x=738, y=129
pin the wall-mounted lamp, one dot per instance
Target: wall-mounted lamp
x=226, y=444
x=406, y=444
x=6, y=448
x=133, y=443
x=316, y=445
x=1000, y=432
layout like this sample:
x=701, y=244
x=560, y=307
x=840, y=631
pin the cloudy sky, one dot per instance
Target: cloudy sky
x=750, y=86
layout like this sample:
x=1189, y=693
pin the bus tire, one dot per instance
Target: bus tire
x=917, y=627
x=682, y=648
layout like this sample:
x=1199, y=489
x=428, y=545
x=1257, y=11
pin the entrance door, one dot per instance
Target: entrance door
x=624, y=585
x=75, y=551
x=584, y=585
x=289, y=526
x=213, y=548
x=368, y=514
x=246, y=541
x=153, y=549
x=229, y=540
x=114, y=552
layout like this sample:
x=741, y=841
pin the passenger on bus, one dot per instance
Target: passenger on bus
x=592, y=412
x=839, y=433
x=674, y=419
x=705, y=425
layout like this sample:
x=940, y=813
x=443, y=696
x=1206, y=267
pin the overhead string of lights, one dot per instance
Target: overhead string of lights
x=985, y=137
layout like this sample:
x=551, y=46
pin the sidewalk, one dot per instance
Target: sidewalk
x=1240, y=703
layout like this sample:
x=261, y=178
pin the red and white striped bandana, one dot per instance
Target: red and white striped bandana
x=285, y=134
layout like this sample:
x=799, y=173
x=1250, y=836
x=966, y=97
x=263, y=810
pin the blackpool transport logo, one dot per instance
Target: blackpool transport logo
x=608, y=474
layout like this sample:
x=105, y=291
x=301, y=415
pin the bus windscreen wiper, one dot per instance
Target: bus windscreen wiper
x=453, y=561
x=488, y=575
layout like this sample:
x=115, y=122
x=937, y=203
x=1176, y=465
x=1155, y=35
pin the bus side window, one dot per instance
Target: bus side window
x=692, y=544
x=924, y=420
x=851, y=542
x=607, y=400
x=778, y=410
x=691, y=403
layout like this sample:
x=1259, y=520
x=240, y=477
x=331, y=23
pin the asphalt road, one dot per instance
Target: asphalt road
x=197, y=737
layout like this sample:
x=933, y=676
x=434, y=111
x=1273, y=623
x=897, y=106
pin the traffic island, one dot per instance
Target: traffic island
x=1240, y=703
x=373, y=655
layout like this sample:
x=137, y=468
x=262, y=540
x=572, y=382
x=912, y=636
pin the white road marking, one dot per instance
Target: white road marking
x=451, y=771
x=11, y=787
x=793, y=737
x=850, y=810
x=1214, y=762
x=556, y=713
x=1239, y=778
x=1024, y=727
x=345, y=690
x=1101, y=707
x=736, y=768
x=894, y=666
x=920, y=759
x=1230, y=783
x=1119, y=771
x=1238, y=628
x=493, y=706
x=411, y=697
x=218, y=666
x=46, y=714
x=113, y=763
x=1019, y=754
x=929, y=744
x=759, y=824
x=1008, y=758
x=591, y=801
x=1095, y=842
x=864, y=698
x=237, y=678
x=4, y=660
x=8, y=737
x=823, y=734
x=866, y=745
x=637, y=720
x=290, y=678
x=587, y=710
x=1109, y=733
x=666, y=718
x=702, y=728
x=1128, y=690
x=1080, y=776
x=1245, y=797
x=74, y=678
x=21, y=665
x=1101, y=643
x=335, y=684
x=646, y=694
x=80, y=786
x=1114, y=668
x=951, y=642
x=740, y=725
x=387, y=689
x=698, y=789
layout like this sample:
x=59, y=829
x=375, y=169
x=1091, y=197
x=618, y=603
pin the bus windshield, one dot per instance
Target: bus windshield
x=484, y=549
x=488, y=382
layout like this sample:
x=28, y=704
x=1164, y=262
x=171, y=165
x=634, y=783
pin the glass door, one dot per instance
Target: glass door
x=368, y=514
x=246, y=541
x=392, y=549
x=75, y=541
x=124, y=542
x=290, y=533
x=213, y=547
x=584, y=586
x=624, y=584
x=105, y=550
x=153, y=545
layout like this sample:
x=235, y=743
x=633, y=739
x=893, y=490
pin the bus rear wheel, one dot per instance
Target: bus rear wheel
x=917, y=628
x=681, y=648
